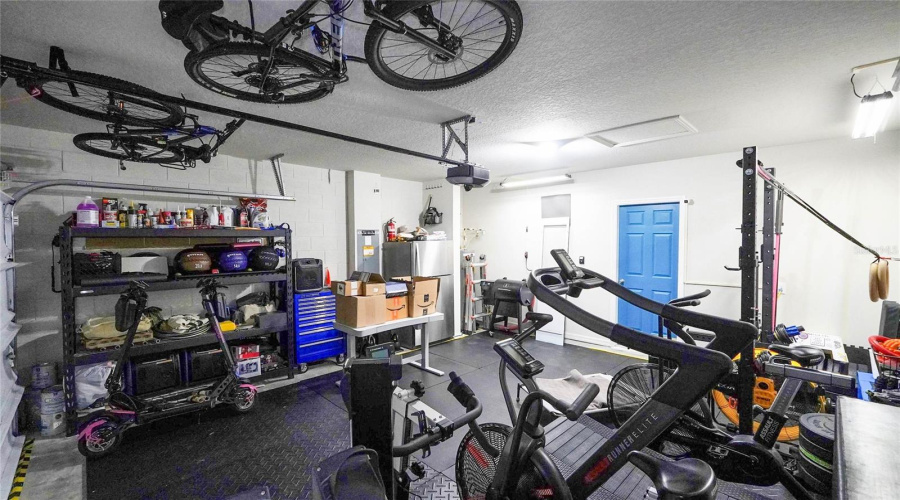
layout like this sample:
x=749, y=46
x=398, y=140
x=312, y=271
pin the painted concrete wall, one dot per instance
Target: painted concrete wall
x=855, y=183
x=318, y=220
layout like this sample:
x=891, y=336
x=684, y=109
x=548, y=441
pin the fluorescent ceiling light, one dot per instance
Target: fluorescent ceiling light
x=539, y=181
x=873, y=111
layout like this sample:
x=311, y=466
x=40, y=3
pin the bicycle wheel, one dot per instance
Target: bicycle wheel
x=138, y=148
x=482, y=32
x=236, y=69
x=113, y=106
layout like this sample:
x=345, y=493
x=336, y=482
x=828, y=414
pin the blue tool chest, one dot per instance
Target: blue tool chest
x=314, y=314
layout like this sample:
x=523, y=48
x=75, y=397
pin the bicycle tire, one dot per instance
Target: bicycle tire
x=95, y=143
x=194, y=65
x=375, y=37
x=147, y=111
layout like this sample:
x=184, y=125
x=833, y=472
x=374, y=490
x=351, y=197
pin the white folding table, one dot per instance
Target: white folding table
x=420, y=360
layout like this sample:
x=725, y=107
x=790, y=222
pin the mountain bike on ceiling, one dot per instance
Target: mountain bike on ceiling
x=413, y=45
x=171, y=147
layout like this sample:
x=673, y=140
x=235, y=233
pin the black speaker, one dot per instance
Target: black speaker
x=307, y=274
x=890, y=320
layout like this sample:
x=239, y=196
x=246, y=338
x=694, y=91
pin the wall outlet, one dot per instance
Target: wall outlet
x=581, y=260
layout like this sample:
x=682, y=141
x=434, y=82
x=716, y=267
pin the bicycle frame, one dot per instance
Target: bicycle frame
x=298, y=20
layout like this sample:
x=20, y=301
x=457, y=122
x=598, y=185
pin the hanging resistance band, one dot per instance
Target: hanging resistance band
x=815, y=213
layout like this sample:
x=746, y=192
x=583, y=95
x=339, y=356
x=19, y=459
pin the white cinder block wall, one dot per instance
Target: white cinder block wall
x=318, y=220
x=854, y=183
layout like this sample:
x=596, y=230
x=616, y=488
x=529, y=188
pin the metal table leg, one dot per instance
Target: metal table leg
x=424, y=363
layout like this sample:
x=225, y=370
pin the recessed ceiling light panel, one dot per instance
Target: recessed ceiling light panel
x=648, y=131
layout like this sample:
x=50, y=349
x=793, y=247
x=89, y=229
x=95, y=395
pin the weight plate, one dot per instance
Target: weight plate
x=817, y=451
x=814, y=484
x=819, y=429
x=821, y=474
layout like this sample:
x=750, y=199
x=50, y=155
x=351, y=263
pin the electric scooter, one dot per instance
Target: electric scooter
x=103, y=430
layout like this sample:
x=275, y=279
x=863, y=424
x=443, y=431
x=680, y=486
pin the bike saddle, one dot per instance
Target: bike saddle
x=536, y=317
x=805, y=355
x=188, y=22
x=686, y=479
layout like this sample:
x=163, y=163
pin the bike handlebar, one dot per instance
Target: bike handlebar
x=581, y=402
x=467, y=398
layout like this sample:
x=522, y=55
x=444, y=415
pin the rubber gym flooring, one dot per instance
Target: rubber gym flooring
x=218, y=454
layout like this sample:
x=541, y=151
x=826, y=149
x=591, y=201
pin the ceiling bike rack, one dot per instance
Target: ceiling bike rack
x=11, y=67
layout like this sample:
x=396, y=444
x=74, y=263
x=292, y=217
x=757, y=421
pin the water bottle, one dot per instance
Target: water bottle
x=87, y=213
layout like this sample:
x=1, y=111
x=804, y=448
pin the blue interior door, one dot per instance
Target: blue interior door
x=648, y=259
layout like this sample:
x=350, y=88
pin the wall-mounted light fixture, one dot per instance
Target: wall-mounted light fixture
x=873, y=111
x=874, y=108
x=537, y=181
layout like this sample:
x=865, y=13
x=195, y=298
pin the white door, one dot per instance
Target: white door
x=554, y=234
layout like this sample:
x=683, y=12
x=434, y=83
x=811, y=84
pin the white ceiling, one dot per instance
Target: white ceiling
x=743, y=73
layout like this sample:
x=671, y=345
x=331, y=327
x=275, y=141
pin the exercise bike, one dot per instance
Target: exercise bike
x=573, y=458
x=744, y=459
x=102, y=431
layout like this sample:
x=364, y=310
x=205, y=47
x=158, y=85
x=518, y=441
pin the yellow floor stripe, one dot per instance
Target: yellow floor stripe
x=22, y=468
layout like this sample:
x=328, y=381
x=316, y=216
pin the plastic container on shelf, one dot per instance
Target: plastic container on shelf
x=87, y=213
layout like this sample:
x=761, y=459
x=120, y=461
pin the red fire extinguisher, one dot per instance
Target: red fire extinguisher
x=391, y=231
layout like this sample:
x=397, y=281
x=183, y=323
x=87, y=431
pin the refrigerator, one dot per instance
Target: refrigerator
x=424, y=258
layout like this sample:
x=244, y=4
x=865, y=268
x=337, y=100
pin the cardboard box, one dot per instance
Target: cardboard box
x=396, y=307
x=423, y=295
x=246, y=351
x=249, y=368
x=370, y=283
x=348, y=288
x=361, y=311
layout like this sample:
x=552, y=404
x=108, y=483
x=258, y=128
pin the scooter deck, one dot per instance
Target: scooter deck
x=570, y=444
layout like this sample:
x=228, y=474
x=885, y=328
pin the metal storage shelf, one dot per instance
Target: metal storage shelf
x=183, y=282
x=101, y=232
x=87, y=356
x=75, y=355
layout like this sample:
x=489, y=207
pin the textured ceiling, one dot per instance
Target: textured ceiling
x=743, y=73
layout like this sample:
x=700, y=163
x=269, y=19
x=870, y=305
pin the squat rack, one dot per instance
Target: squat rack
x=764, y=316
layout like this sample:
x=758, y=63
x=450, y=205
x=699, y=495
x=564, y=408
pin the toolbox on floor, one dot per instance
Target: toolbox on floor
x=316, y=337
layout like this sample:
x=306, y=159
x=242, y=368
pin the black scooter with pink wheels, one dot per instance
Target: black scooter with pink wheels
x=102, y=431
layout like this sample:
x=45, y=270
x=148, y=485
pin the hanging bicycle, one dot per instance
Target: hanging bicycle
x=171, y=147
x=413, y=45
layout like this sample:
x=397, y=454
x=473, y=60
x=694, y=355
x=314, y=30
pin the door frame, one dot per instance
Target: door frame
x=543, y=335
x=682, y=201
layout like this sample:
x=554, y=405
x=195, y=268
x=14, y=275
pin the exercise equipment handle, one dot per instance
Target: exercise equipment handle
x=436, y=434
x=581, y=402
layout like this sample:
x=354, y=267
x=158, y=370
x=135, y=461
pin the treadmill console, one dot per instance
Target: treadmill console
x=566, y=264
x=518, y=358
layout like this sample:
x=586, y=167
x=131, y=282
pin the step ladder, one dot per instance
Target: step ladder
x=476, y=314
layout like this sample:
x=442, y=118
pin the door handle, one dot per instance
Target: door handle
x=622, y=282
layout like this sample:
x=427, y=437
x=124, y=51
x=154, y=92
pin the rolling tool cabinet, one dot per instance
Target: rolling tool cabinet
x=316, y=337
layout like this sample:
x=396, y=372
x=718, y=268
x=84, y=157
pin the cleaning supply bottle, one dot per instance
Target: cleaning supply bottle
x=132, y=216
x=213, y=216
x=87, y=213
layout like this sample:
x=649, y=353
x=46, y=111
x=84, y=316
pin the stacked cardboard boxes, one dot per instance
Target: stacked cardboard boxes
x=365, y=299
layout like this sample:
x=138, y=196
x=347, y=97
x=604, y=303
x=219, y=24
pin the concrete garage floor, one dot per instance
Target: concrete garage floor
x=58, y=471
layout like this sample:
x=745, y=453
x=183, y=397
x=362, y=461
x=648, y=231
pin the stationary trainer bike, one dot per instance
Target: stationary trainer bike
x=102, y=431
x=574, y=457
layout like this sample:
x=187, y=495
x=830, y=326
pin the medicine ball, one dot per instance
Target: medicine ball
x=232, y=261
x=193, y=261
x=263, y=259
